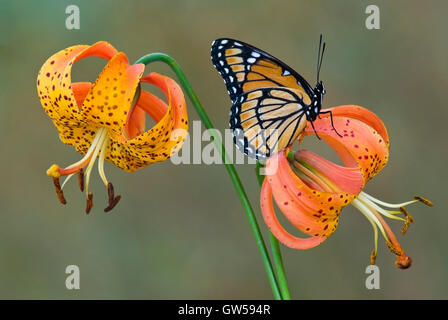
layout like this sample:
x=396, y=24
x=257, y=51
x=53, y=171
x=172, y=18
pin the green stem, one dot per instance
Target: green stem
x=275, y=247
x=153, y=57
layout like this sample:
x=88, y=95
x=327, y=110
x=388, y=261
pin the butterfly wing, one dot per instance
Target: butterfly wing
x=269, y=98
x=245, y=68
x=267, y=119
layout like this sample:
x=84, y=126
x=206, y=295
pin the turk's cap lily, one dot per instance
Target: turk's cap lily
x=311, y=191
x=106, y=119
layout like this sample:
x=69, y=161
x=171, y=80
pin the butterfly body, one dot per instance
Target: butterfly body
x=271, y=102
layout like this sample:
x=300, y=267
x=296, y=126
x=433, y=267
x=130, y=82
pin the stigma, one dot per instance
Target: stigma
x=83, y=168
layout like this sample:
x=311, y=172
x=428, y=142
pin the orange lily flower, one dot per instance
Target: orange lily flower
x=106, y=119
x=311, y=191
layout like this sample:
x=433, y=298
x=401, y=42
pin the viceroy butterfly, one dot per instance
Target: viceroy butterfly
x=271, y=103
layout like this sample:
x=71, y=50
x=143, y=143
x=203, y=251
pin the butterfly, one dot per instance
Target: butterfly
x=271, y=103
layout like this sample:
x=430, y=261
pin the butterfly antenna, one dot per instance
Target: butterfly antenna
x=318, y=58
x=320, y=61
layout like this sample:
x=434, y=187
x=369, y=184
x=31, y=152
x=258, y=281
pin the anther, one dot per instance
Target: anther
x=110, y=191
x=113, y=203
x=113, y=200
x=408, y=221
x=373, y=257
x=89, y=204
x=81, y=179
x=59, y=193
x=424, y=201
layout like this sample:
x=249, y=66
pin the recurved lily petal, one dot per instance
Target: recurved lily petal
x=109, y=101
x=54, y=84
x=276, y=228
x=167, y=136
x=364, y=142
x=315, y=211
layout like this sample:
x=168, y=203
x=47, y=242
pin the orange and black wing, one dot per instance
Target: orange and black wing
x=269, y=98
x=266, y=120
x=244, y=68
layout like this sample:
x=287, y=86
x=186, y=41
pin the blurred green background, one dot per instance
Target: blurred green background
x=179, y=232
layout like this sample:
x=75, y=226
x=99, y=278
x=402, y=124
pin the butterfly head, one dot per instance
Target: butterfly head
x=320, y=89
x=316, y=102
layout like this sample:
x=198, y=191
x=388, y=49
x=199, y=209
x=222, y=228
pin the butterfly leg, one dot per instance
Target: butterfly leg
x=315, y=132
x=331, y=119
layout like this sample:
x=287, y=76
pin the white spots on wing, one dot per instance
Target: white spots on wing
x=221, y=62
x=286, y=73
x=224, y=41
x=248, y=67
x=220, y=47
x=238, y=44
x=234, y=89
x=219, y=54
x=251, y=60
x=241, y=99
x=231, y=78
x=255, y=54
x=226, y=70
x=213, y=43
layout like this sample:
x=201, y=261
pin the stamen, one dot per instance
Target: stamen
x=387, y=213
x=58, y=189
x=408, y=221
x=81, y=179
x=370, y=215
x=66, y=180
x=388, y=205
x=112, y=199
x=375, y=231
x=373, y=257
x=89, y=203
x=103, y=133
x=424, y=201
x=113, y=203
x=101, y=161
x=110, y=191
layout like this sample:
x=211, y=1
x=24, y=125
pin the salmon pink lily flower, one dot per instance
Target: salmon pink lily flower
x=311, y=191
x=106, y=119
